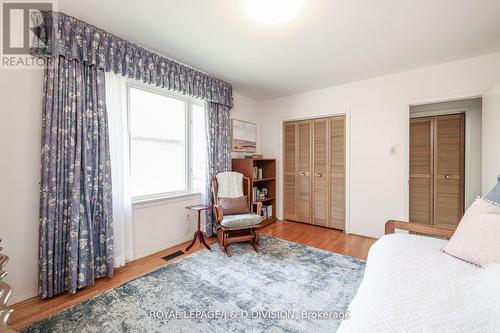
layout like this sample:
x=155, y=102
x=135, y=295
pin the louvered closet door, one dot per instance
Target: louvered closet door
x=421, y=170
x=337, y=173
x=290, y=170
x=449, y=170
x=304, y=172
x=320, y=176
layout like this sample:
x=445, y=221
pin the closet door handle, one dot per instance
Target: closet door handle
x=320, y=175
x=447, y=177
x=302, y=173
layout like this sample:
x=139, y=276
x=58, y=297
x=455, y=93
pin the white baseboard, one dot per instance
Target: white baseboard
x=161, y=247
x=22, y=296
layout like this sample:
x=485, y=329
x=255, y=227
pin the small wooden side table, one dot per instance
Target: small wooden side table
x=198, y=234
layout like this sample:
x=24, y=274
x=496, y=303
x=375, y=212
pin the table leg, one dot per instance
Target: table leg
x=192, y=242
x=202, y=239
x=198, y=234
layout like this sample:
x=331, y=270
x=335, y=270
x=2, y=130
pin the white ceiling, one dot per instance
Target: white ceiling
x=330, y=42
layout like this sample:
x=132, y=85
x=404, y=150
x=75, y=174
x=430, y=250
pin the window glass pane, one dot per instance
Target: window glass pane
x=157, y=167
x=199, y=147
x=158, y=143
x=154, y=115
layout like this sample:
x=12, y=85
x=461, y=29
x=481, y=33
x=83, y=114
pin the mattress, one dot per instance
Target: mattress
x=411, y=286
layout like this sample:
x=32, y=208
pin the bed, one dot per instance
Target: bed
x=411, y=286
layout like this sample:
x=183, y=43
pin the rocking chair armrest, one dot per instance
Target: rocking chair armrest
x=219, y=213
x=258, y=207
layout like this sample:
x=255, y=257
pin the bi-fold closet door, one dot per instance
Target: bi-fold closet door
x=437, y=151
x=314, y=171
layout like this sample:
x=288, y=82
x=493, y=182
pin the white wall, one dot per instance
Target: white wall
x=246, y=109
x=491, y=137
x=20, y=131
x=161, y=224
x=157, y=225
x=378, y=111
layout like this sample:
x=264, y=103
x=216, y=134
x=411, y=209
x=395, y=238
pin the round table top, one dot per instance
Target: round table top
x=198, y=207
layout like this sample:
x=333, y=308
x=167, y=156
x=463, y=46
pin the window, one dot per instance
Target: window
x=167, y=143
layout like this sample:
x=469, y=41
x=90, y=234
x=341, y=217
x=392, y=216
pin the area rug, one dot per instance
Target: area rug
x=286, y=287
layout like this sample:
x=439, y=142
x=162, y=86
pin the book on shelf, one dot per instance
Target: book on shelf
x=267, y=211
x=256, y=173
x=263, y=212
x=259, y=194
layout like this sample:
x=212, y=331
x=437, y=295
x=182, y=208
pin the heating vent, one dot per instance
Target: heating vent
x=173, y=255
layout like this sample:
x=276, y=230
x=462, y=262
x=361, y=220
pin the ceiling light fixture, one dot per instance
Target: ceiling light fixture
x=271, y=11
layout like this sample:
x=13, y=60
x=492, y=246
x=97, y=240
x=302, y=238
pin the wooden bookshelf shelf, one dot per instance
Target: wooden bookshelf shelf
x=268, y=181
x=263, y=180
x=265, y=199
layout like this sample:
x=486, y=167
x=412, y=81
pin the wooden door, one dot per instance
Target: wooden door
x=320, y=174
x=337, y=173
x=449, y=170
x=304, y=172
x=290, y=170
x=421, y=170
x=314, y=171
x=437, y=150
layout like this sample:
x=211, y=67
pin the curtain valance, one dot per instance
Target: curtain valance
x=58, y=34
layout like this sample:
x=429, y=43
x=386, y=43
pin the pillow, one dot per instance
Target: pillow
x=494, y=195
x=232, y=206
x=477, y=238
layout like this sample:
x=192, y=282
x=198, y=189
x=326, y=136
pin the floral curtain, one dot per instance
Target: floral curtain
x=219, y=150
x=59, y=34
x=76, y=235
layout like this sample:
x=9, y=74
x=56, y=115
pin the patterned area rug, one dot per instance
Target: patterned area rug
x=286, y=287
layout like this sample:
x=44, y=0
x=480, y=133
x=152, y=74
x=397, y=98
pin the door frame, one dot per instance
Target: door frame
x=347, y=115
x=467, y=110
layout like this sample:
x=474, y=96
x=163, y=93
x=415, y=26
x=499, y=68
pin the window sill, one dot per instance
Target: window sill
x=164, y=199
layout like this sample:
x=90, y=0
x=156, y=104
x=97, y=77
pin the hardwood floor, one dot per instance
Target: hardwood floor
x=36, y=309
x=321, y=238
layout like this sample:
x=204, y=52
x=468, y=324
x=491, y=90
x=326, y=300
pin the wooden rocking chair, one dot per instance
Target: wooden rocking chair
x=239, y=227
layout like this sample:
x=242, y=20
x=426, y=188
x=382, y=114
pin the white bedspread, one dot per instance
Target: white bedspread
x=411, y=286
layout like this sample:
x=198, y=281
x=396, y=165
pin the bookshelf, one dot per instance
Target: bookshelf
x=267, y=182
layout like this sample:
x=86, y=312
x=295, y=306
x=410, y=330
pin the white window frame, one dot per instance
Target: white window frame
x=189, y=102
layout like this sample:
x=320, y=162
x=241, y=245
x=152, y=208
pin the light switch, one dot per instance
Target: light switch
x=394, y=150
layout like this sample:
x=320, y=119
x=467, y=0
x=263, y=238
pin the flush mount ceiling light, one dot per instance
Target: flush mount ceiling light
x=271, y=11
